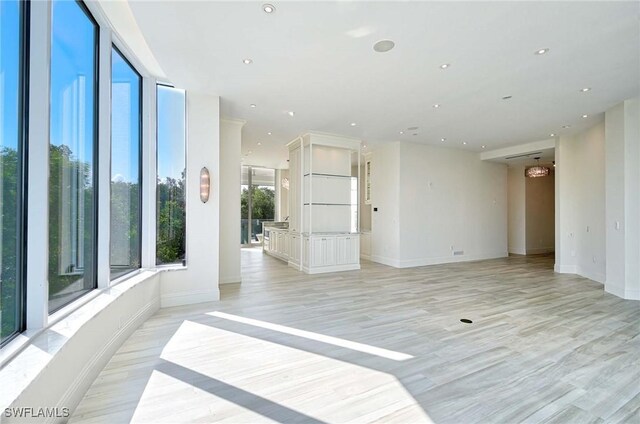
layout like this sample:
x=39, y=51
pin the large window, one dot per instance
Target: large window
x=12, y=76
x=170, y=209
x=126, y=142
x=72, y=154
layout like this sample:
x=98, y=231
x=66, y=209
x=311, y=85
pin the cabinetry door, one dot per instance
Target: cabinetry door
x=294, y=248
x=347, y=250
x=328, y=251
x=316, y=251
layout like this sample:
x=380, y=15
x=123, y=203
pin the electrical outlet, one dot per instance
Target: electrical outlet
x=594, y=260
x=458, y=253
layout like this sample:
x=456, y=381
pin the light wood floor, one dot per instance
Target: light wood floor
x=383, y=345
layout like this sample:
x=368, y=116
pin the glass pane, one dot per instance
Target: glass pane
x=72, y=204
x=263, y=196
x=125, y=166
x=10, y=169
x=171, y=216
x=244, y=205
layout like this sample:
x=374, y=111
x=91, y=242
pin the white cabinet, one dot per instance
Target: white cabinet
x=278, y=245
x=347, y=250
x=294, y=249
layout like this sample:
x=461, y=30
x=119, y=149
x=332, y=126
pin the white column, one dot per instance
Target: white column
x=230, y=153
x=149, y=173
x=198, y=281
x=38, y=174
x=104, y=159
x=622, y=126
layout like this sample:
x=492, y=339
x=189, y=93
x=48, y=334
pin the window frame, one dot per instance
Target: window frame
x=115, y=48
x=23, y=168
x=184, y=262
x=95, y=158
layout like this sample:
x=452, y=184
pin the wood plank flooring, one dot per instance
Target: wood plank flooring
x=383, y=345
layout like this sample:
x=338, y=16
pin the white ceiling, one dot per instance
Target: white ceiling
x=316, y=58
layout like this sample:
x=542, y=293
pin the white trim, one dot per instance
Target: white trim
x=149, y=175
x=565, y=269
x=410, y=263
x=365, y=257
x=517, y=251
x=334, y=268
x=385, y=261
x=622, y=292
x=230, y=280
x=190, y=297
x=37, y=279
x=103, y=243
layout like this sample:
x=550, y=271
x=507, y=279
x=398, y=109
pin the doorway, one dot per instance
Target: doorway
x=257, y=203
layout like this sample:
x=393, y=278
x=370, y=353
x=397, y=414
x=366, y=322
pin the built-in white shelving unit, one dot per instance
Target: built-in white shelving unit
x=323, y=203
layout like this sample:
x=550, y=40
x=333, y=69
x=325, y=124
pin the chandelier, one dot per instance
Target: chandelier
x=537, y=171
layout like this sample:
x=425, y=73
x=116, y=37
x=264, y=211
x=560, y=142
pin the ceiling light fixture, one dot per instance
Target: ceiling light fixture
x=247, y=61
x=445, y=65
x=483, y=146
x=268, y=8
x=506, y=97
x=443, y=139
x=364, y=146
x=259, y=143
x=436, y=106
x=353, y=124
x=269, y=133
x=537, y=171
x=584, y=90
x=541, y=51
x=566, y=126
x=252, y=105
x=401, y=132
x=291, y=113
x=464, y=142
x=383, y=46
x=249, y=152
x=585, y=116
x=552, y=135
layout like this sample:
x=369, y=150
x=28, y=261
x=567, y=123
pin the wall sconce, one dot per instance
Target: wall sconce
x=205, y=184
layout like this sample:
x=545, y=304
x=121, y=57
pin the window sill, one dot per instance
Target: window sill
x=25, y=357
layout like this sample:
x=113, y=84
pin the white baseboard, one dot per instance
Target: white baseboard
x=230, y=280
x=365, y=257
x=385, y=261
x=410, y=263
x=565, y=269
x=517, y=251
x=621, y=292
x=189, y=297
x=575, y=269
x=334, y=268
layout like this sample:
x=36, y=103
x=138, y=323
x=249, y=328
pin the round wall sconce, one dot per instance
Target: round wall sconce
x=205, y=184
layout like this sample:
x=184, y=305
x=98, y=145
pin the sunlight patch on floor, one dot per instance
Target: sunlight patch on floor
x=360, y=347
x=276, y=377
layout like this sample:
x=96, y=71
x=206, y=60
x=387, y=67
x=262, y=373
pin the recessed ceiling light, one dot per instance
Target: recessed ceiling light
x=541, y=51
x=401, y=132
x=383, y=46
x=269, y=133
x=364, y=146
x=566, y=126
x=445, y=65
x=247, y=61
x=464, y=142
x=436, y=105
x=249, y=152
x=259, y=143
x=483, y=146
x=443, y=139
x=552, y=135
x=252, y=105
x=412, y=128
x=584, y=90
x=585, y=116
x=353, y=124
x=268, y=8
x=506, y=97
x=291, y=113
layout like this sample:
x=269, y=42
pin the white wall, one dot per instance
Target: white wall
x=516, y=210
x=198, y=282
x=540, y=214
x=450, y=200
x=385, y=196
x=622, y=128
x=230, y=154
x=580, y=204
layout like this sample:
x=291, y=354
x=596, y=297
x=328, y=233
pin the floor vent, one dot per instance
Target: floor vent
x=466, y=321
